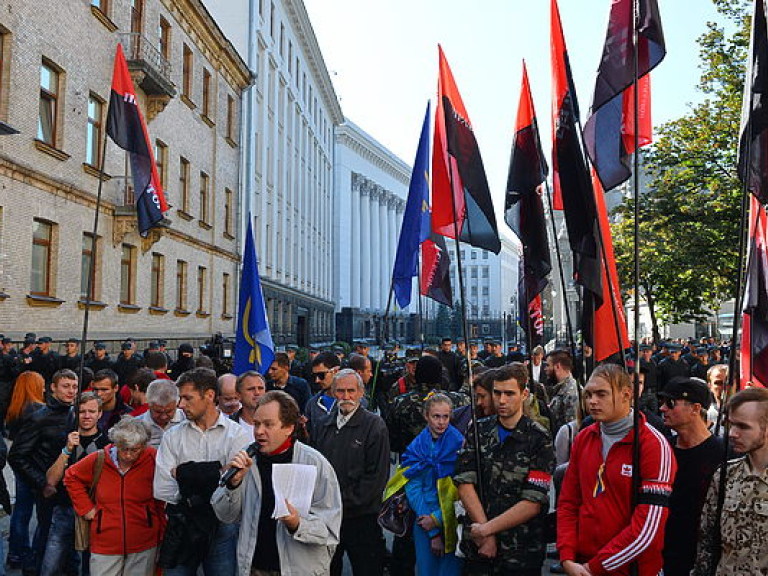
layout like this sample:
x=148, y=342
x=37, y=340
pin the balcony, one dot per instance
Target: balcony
x=119, y=192
x=149, y=70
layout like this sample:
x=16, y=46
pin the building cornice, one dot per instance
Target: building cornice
x=353, y=137
x=306, y=35
x=297, y=293
x=200, y=26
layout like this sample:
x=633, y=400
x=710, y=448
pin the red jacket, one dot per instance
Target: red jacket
x=128, y=518
x=595, y=520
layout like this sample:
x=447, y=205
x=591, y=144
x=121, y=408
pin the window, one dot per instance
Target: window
x=156, y=281
x=225, y=294
x=102, y=5
x=181, y=285
x=272, y=20
x=4, y=67
x=202, y=281
x=49, y=94
x=164, y=34
x=161, y=160
x=85, y=268
x=184, y=184
x=186, y=73
x=137, y=13
x=206, y=93
x=42, y=248
x=93, y=132
x=473, y=272
x=230, y=117
x=127, y=263
x=485, y=272
x=204, y=199
x=485, y=255
x=485, y=290
x=474, y=255
x=228, y=211
x=282, y=41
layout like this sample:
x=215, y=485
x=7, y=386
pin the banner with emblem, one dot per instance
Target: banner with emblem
x=254, y=349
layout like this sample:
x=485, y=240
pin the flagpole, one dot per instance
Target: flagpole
x=421, y=311
x=465, y=329
x=91, y=279
x=382, y=331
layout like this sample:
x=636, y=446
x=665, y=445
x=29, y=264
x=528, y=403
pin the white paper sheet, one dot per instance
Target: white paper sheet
x=295, y=483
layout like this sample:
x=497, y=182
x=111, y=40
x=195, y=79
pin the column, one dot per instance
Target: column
x=386, y=241
x=355, y=243
x=365, y=245
x=393, y=235
x=375, y=247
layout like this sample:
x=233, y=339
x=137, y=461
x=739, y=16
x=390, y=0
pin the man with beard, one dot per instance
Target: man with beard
x=356, y=444
x=743, y=537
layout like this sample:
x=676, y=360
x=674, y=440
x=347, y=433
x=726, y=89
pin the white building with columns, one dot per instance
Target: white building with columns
x=289, y=116
x=371, y=185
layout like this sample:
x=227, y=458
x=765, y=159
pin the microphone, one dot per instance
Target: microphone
x=252, y=450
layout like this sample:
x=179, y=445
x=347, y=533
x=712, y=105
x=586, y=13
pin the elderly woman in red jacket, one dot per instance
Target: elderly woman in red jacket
x=126, y=520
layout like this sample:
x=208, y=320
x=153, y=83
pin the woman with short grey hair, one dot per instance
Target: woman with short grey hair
x=112, y=488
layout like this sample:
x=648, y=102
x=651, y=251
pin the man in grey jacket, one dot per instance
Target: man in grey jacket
x=296, y=544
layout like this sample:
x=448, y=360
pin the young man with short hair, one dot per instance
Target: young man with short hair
x=324, y=366
x=280, y=378
x=250, y=386
x=105, y=384
x=506, y=535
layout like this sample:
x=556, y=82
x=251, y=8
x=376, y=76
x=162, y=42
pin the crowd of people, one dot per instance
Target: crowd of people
x=494, y=460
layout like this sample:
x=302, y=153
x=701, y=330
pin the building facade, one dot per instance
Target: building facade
x=371, y=186
x=55, y=75
x=288, y=126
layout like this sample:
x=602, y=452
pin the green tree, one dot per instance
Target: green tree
x=689, y=215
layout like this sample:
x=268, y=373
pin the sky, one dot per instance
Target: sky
x=382, y=58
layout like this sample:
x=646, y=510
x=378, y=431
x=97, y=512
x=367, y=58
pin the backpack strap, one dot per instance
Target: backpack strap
x=98, y=466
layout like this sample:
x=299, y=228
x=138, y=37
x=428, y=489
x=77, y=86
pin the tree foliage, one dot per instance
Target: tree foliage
x=689, y=211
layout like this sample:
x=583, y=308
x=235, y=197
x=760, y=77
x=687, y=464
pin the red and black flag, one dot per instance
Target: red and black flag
x=609, y=133
x=436, y=270
x=461, y=198
x=125, y=125
x=753, y=145
x=524, y=212
x=609, y=316
x=754, y=337
x=572, y=184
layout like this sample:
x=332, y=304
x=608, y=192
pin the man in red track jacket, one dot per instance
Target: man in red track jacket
x=598, y=532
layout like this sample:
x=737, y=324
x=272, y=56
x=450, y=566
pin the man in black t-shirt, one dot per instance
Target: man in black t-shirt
x=698, y=454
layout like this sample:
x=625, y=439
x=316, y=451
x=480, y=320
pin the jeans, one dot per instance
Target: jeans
x=222, y=555
x=60, y=557
x=18, y=539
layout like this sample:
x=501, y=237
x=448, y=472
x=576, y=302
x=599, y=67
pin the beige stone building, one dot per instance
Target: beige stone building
x=55, y=72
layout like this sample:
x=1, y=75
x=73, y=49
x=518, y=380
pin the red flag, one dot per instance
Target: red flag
x=754, y=336
x=605, y=340
x=461, y=198
x=126, y=127
x=436, y=270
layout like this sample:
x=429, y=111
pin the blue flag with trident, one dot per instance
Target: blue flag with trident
x=254, y=349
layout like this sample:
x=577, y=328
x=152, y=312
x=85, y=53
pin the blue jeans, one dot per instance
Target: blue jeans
x=18, y=539
x=222, y=555
x=60, y=557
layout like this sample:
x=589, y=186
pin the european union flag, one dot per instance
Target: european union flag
x=254, y=349
x=416, y=222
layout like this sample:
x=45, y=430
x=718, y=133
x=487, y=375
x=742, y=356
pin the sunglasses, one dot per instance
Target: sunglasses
x=320, y=375
x=672, y=402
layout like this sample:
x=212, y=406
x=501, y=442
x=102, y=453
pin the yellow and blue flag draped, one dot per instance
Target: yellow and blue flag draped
x=416, y=222
x=254, y=349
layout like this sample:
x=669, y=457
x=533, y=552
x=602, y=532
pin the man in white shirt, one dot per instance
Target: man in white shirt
x=189, y=462
x=250, y=386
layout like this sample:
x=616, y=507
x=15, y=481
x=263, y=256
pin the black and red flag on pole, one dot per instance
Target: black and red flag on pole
x=753, y=145
x=754, y=337
x=436, y=270
x=524, y=213
x=461, y=198
x=572, y=184
x=609, y=133
x=126, y=127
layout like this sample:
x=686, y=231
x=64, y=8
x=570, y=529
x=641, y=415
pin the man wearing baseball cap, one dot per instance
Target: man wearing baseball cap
x=698, y=454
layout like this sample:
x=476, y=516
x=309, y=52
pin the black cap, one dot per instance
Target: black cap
x=30, y=336
x=292, y=347
x=99, y=346
x=125, y=346
x=691, y=389
x=44, y=340
x=73, y=341
x=6, y=340
x=702, y=350
x=645, y=347
x=162, y=342
x=674, y=347
x=153, y=345
x=186, y=347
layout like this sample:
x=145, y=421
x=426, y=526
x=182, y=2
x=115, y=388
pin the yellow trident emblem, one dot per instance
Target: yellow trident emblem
x=255, y=355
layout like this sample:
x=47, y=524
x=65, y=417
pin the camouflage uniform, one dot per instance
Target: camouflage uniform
x=519, y=469
x=405, y=418
x=565, y=399
x=744, y=524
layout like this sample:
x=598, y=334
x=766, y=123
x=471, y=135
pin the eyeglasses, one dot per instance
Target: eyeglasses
x=320, y=375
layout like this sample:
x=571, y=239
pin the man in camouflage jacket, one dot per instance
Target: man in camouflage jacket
x=739, y=547
x=506, y=530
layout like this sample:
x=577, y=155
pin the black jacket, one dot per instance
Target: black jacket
x=39, y=441
x=359, y=453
